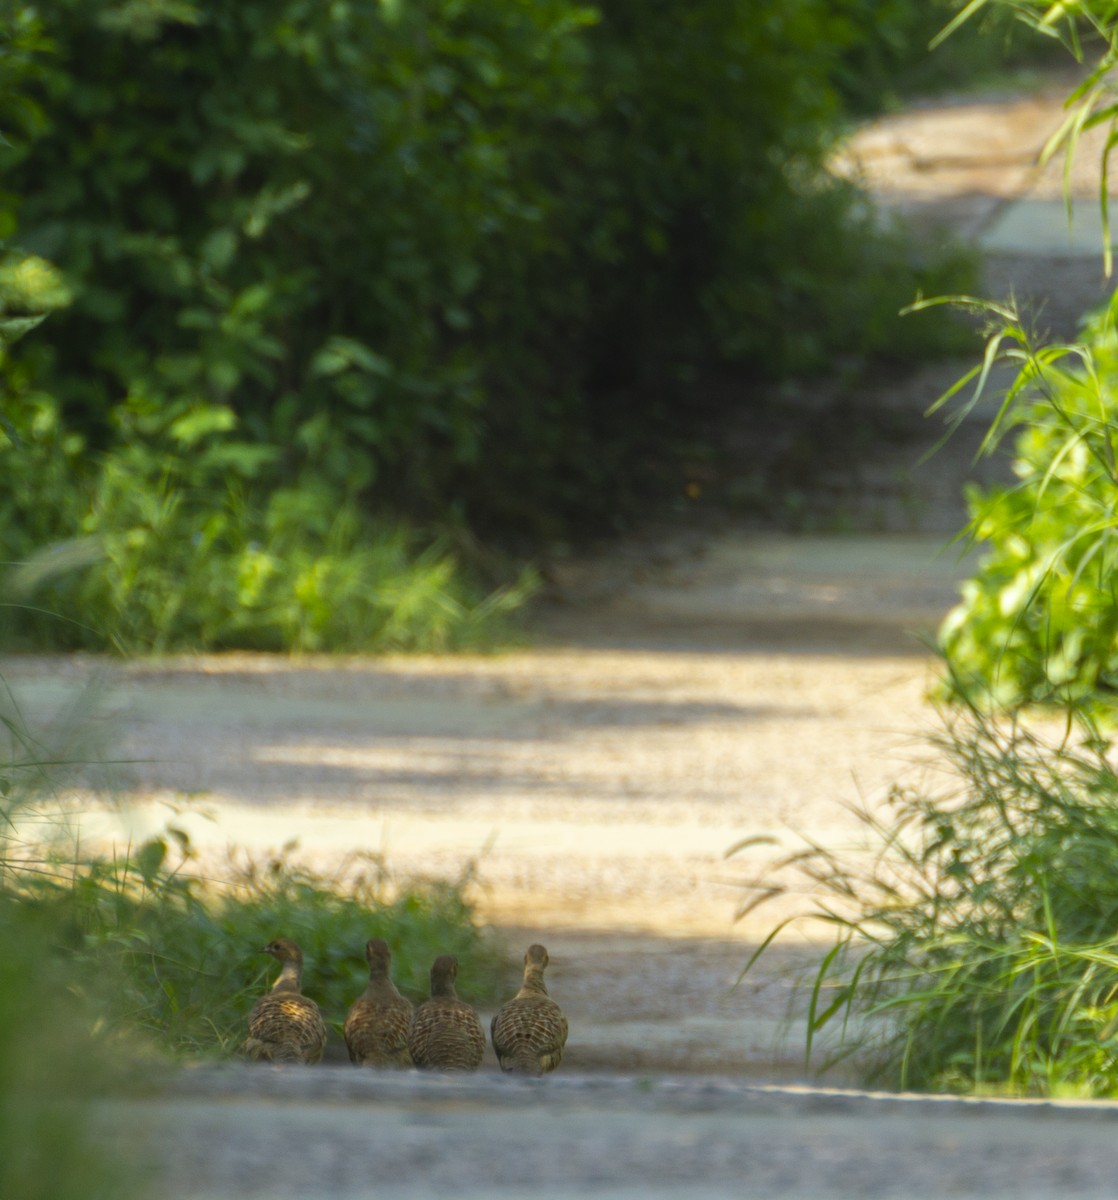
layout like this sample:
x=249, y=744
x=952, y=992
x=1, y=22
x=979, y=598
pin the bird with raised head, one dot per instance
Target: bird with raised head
x=285, y=1025
x=377, y=1024
x=446, y=1033
x=530, y=1031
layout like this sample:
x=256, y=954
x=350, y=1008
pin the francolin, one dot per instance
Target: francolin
x=377, y=1024
x=285, y=1025
x=446, y=1033
x=530, y=1030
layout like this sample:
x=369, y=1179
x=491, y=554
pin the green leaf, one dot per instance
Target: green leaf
x=339, y=354
x=13, y=328
x=200, y=422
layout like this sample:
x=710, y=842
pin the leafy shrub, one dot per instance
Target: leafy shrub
x=41, y=461
x=441, y=258
x=1038, y=619
x=178, y=550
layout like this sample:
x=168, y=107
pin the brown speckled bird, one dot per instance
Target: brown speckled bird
x=376, y=1026
x=446, y=1033
x=285, y=1025
x=530, y=1031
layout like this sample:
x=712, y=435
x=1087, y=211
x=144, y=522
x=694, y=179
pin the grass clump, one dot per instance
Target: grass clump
x=976, y=949
x=183, y=951
x=51, y=1068
x=178, y=551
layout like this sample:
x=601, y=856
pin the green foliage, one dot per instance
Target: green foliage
x=976, y=950
x=178, y=550
x=1038, y=621
x=434, y=258
x=50, y=1068
x=1087, y=29
x=49, y=1073
x=184, y=958
x=39, y=461
x=1063, y=22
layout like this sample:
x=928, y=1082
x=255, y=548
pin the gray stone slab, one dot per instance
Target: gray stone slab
x=297, y=1134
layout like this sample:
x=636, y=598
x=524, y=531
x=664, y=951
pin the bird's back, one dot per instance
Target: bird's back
x=446, y=1035
x=529, y=1034
x=285, y=1026
x=376, y=1029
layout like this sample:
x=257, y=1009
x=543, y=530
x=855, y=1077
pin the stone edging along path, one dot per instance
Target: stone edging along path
x=345, y=1133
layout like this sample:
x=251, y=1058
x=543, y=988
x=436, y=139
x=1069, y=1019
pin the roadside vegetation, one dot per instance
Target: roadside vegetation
x=976, y=946
x=50, y=1070
x=1038, y=621
x=166, y=954
x=976, y=941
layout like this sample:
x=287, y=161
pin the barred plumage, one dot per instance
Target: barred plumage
x=285, y=1025
x=530, y=1031
x=377, y=1024
x=446, y=1033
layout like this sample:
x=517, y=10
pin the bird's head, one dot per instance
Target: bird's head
x=377, y=952
x=444, y=971
x=536, y=956
x=284, y=950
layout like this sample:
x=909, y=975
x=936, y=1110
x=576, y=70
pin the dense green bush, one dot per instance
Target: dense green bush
x=452, y=260
x=1038, y=620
